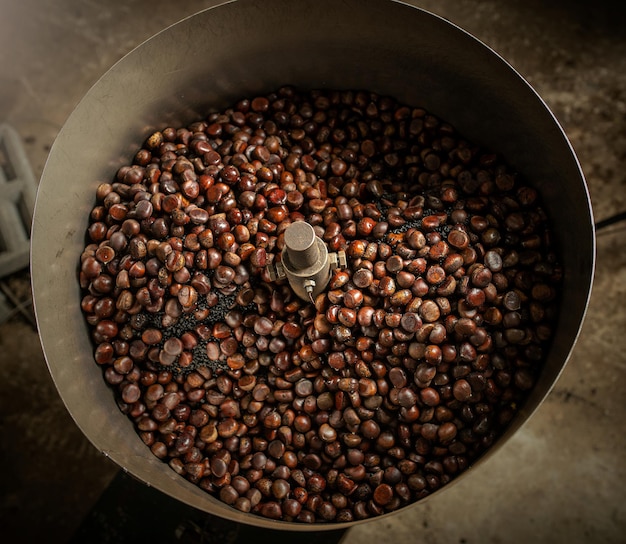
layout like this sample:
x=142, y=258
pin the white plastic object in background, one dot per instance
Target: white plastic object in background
x=18, y=189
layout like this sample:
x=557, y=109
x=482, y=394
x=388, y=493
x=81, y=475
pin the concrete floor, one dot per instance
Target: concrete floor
x=560, y=479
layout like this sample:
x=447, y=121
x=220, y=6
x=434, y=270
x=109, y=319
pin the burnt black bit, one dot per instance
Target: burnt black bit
x=187, y=323
x=417, y=224
x=201, y=359
x=380, y=202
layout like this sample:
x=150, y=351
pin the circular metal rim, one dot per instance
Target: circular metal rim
x=42, y=266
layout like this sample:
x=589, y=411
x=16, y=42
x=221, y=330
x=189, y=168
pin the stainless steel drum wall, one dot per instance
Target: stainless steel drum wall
x=204, y=63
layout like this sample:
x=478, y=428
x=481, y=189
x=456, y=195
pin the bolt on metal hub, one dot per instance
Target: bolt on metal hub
x=306, y=262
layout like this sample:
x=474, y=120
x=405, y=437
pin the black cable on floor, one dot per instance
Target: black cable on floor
x=611, y=220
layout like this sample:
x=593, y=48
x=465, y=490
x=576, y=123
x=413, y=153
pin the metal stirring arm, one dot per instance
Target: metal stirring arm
x=306, y=262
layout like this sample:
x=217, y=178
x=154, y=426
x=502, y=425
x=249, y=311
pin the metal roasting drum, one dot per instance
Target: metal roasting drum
x=245, y=48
